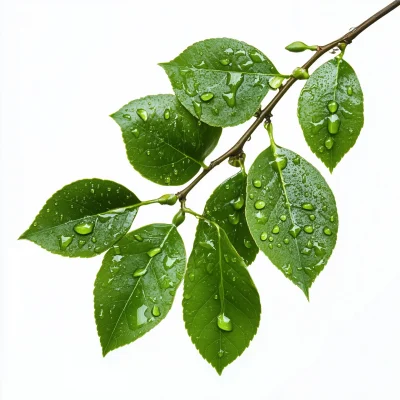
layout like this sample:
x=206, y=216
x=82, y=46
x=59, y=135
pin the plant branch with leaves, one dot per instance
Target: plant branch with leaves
x=283, y=206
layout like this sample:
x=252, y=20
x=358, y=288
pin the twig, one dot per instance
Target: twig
x=266, y=113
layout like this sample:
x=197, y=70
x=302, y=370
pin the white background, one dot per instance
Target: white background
x=66, y=65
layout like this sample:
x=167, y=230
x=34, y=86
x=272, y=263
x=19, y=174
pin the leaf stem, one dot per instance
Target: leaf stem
x=266, y=113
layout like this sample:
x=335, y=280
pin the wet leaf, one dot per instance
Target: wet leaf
x=221, y=81
x=292, y=214
x=331, y=111
x=164, y=142
x=136, y=284
x=84, y=218
x=221, y=305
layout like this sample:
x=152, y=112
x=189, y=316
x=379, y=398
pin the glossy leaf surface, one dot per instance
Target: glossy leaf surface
x=84, y=218
x=221, y=81
x=226, y=206
x=164, y=142
x=292, y=214
x=221, y=305
x=136, y=284
x=331, y=111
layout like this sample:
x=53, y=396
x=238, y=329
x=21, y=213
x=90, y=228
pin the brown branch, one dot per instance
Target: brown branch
x=266, y=113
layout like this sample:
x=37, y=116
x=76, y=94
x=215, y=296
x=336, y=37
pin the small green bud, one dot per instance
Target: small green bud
x=276, y=81
x=178, y=218
x=169, y=199
x=300, y=73
x=237, y=161
x=342, y=46
x=297, y=47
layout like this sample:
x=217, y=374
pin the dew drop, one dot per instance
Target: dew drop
x=234, y=80
x=279, y=163
x=140, y=272
x=224, y=61
x=271, y=239
x=247, y=244
x=294, y=231
x=307, y=206
x=286, y=241
x=191, y=276
x=287, y=269
x=329, y=143
x=126, y=116
x=224, y=323
x=65, y=241
x=332, y=218
x=264, y=236
x=167, y=180
x=81, y=243
x=296, y=160
x=156, y=311
x=333, y=124
x=94, y=240
x=154, y=252
x=167, y=114
x=197, y=108
x=238, y=203
x=327, y=231
x=312, y=217
x=84, y=228
x=308, y=229
x=259, y=204
x=256, y=56
x=282, y=217
x=207, y=96
x=142, y=114
x=138, y=238
x=275, y=229
x=350, y=91
x=332, y=106
x=306, y=251
x=256, y=183
x=220, y=353
x=234, y=218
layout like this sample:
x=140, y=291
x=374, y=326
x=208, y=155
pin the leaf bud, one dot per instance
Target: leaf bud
x=169, y=199
x=297, y=47
x=300, y=73
x=178, y=218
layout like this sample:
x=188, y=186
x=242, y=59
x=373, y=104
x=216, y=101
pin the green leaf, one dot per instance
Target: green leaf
x=226, y=206
x=84, y=218
x=329, y=133
x=221, y=81
x=292, y=214
x=164, y=142
x=136, y=284
x=218, y=291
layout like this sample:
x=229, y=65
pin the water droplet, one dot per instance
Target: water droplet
x=224, y=323
x=247, y=244
x=324, y=208
x=191, y=276
x=84, y=228
x=148, y=152
x=101, y=314
x=276, y=81
x=187, y=296
x=126, y=116
x=140, y=272
x=259, y=204
x=234, y=80
x=279, y=163
x=332, y=106
x=142, y=114
x=283, y=217
x=197, y=108
x=286, y=241
x=224, y=61
x=220, y=353
x=81, y=243
x=234, y=218
x=308, y=229
x=319, y=250
x=312, y=217
x=65, y=241
x=271, y=239
x=287, y=269
x=306, y=251
x=94, y=240
x=350, y=91
x=156, y=311
x=256, y=56
x=264, y=236
x=294, y=231
x=307, y=206
x=256, y=183
x=238, y=203
x=251, y=195
x=167, y=114
x=332, y=218
x=167, y=180
x=333, y=124
x=327, y=231
x=154, y=252
x=329, y=143
x=210, y=268
x=169, y=262
x=275, y=229
x=309, y=244
x=207, y=96
x=296, y=160
x=138, y=238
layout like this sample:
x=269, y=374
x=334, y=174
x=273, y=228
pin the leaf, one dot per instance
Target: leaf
x=136, y=284
x=221, y=81
x=333, y=84
x=226, y=206
x=84, y=218
x=218, y=287
x=164, y=142
x=291, y=214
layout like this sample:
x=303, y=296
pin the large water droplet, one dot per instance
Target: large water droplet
x=169, y=262
x=224, y=323
x=333, y=124
x=234, y=80
x=138, y=238
x=259, y=204
x=234, y=218
x=247, y=244
x=256, y=183
x=224, y=61
x=65, y=241
x=329, y=143
x=275, y=229
x=126, y=116
x=308, y=229
x=84, y=228
x=279, y=163
x=154, y=252
x=207, y=96
x=142, y=114
x=350, y=91
x=140, y=272
x=135, y=132
x=264, y=236
x=156, y=311
x=283, y=217
x=312, y=217
x=238, y=203
x=294, y=231
x=256, y=56
x=287, y=269
x=307, y=206
x=332, y=106
x=327, y=231
x=197, y=108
